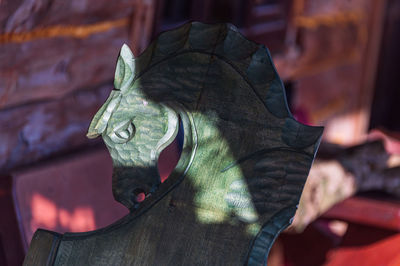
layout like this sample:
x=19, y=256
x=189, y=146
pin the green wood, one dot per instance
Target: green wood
x=243, y=166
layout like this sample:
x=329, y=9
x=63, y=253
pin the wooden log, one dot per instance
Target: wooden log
x=36, y=131
x=51, y=68
x=22, y=16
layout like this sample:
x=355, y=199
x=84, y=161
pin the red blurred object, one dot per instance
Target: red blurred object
x=372, y=236
x=366, y=246
x=378, y=213
x=68, y=195
x=168, y=159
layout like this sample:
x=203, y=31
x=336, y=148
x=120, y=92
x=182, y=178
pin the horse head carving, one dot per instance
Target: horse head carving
x=244, y=158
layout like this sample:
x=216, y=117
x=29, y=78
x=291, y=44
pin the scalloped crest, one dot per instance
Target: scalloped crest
x=251, y=60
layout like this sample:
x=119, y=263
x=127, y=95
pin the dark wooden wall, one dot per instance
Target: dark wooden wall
x=263, y=21
x=386, y=107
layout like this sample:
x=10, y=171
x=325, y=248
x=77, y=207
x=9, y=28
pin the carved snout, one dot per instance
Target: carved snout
x=100, y=120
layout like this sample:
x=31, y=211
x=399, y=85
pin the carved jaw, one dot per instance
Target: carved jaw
x=178, y=119
x=170, y=135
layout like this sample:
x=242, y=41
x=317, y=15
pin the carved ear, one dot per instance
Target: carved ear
x=124, y=74
x=125, y=70
x=100, y=120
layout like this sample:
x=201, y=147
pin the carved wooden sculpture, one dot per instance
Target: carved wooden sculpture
x=242, y=169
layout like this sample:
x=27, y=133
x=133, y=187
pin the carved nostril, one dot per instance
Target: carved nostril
x=138, y=195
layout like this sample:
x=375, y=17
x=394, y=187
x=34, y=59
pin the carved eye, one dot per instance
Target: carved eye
x=123, y=132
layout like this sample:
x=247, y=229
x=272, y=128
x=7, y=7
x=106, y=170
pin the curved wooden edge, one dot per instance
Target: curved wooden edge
x=262, y=244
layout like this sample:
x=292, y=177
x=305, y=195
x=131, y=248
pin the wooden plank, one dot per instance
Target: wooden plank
x=37, y=131
x=23, y=16
x=55, y=67
x=58, y=47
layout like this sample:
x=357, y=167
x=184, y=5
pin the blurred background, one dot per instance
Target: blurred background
x=339, y=60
